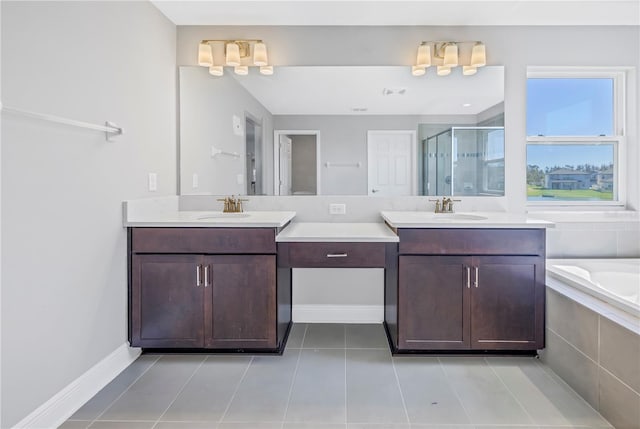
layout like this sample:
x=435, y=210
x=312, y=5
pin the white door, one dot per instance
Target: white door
x=391, y=158
x=285, y=165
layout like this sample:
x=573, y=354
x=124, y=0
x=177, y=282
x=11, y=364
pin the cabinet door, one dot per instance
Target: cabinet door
x=433, y=307
x=507, y=306
x=166, y=301
x=242, y=302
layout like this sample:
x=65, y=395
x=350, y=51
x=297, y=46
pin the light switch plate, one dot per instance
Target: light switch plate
x=153, y=182
x=194, y=181
x=240, y=179
x=337, y=209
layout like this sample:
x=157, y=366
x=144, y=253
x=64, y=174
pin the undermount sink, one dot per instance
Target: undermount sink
x=461, y=216
x=223, y=216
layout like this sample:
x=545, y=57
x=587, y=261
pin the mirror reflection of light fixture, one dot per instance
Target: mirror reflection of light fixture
x=237, y=54
x=446, y=55
x=418, y=70
x=443, y=70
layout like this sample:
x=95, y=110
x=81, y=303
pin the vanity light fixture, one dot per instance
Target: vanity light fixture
x=445, y=54
x=237, y=54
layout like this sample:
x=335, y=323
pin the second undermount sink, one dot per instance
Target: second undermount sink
x=222, y=215
x=460, y=216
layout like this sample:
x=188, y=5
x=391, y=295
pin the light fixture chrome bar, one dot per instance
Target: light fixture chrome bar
x=343, y=164
x=109, y=128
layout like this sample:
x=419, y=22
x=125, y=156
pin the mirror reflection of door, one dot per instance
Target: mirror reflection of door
x=391, y=157
x=285, y=165
x=297, y=155
x=253, y=151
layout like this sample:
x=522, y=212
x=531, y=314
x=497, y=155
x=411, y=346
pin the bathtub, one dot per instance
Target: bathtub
x=614, y=281
x=593, y=332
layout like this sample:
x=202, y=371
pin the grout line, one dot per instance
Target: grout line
x=293, y=380
x=455, y=392
x=404, y=404
x=510, y=391
x=235, y=391
x=124, y=391
x=346, y=412
x=179, y=392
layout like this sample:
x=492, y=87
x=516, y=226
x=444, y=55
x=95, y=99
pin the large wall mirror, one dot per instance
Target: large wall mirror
x=342, y=131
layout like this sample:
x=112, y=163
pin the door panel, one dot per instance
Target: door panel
x=391, y=163
x=433, y=303
x=503, y=306
x=243, y=301
x=167, y=303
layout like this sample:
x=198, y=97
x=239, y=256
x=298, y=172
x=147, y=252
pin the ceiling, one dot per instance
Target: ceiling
x=385, y=90
x=401, y=12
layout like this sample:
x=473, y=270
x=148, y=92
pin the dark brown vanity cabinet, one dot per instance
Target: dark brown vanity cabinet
x=468, y=289
x=207, y=288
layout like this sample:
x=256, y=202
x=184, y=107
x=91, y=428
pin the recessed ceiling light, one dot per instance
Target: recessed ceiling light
x=466, y=105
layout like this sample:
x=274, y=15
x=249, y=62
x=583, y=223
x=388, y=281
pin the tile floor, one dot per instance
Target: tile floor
x=335, y=377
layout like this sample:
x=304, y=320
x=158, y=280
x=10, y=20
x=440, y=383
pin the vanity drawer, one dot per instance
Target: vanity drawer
x=331, y=255
x=203, y=240
x=458, y=241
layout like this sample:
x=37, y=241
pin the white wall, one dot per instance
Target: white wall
x=64, y=269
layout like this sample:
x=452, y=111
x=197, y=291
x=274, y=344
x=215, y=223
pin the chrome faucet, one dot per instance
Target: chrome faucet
x=444, y=206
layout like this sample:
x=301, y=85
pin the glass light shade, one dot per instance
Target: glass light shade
x=241, y=70
x=266, y=70
x=443, y=71
x=205, y=57
x=423, y=59
x=478, y=55
x=260, y=54
x=469, y=70
x=233, y=54
x=216, y=70
x=450, y=55
x=418, y=70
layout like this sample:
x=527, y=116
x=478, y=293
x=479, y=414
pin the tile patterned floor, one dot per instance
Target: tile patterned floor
x=335, y=377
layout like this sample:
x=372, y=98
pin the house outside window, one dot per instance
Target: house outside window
x=575, y=137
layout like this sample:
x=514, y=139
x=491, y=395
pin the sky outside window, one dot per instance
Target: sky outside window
x=570, y=107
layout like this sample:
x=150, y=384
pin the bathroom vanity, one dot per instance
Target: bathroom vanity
x=466, y=284
x=212, y=283
x=222, y=282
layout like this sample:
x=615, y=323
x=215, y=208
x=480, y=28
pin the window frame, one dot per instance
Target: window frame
x=618, y=74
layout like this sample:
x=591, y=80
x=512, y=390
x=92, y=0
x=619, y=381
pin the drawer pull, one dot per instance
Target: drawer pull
x=198, y=279
x=337, y=255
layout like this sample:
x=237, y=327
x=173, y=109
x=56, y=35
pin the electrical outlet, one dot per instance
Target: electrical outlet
x=337, y=209
x=194, y=181
x=153, y=182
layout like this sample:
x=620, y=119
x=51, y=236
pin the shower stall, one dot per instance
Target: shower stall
x=464, y=161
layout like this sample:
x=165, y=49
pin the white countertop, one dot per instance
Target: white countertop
x=420, y=219
x=209, y=219
x=337, y=232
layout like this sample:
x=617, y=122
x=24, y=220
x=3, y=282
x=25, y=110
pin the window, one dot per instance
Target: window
x=574, y=137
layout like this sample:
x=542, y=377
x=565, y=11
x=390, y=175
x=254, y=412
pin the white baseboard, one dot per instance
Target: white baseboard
x=338, y=313
x=62, y=405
